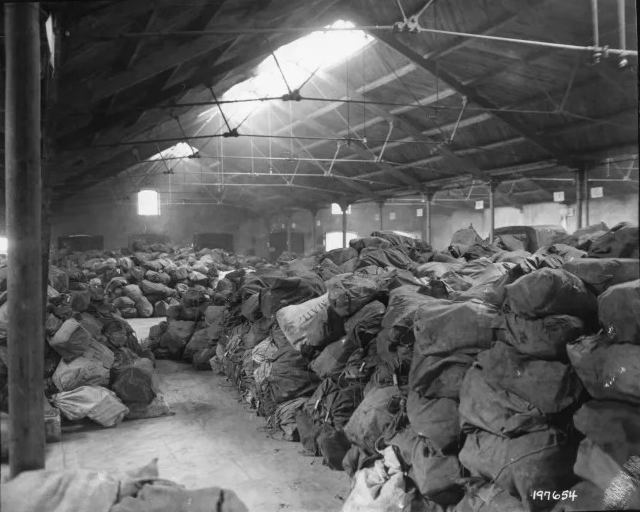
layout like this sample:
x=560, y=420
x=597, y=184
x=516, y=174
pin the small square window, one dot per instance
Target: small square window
x=148, y=202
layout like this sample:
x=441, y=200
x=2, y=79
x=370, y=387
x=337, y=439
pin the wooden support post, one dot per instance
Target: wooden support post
x=426, y=216
x=288, y=232
x=493, y=185
x=314, y=234
x=579, y=190
x=586, y=196
x=24, y=203
x=52, y=80
x=381, y=213
x=344, y=207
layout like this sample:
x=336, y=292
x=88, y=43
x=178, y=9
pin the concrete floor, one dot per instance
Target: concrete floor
x=210, y=441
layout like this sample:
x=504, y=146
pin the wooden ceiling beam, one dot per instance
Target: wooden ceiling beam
x=345, y=180
x=126, y=57
x=207, y=72
x=458, y=163
x=165, y=60
x=555, y=130
x=473, y=95
x=131, y=47
x=488, y=29
x=362, y=152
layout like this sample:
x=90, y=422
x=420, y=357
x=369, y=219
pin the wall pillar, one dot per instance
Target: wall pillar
x=288, y=227
x=493, y=185
x=585, y=196
x=344, y=207
x=381, y=213
x=426, y=216
x=314, y=234
x=24, y=230
x=579, y=201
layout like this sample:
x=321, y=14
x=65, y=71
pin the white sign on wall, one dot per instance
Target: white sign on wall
x=419, y=212
x=558, y=197
x=597, y=192
x=392, y=215
x=293, y=225
x=377, y=216
x=479, y=205
x=318, y=223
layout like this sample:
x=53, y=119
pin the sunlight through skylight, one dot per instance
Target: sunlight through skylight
x=298, y=60
x=180, y=150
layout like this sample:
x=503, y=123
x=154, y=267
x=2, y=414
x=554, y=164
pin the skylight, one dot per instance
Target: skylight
x=180, y=150
x=298, y=60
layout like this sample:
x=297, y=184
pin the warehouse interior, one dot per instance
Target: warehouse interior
x=364, y=255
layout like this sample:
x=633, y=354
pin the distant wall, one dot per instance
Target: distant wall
x=362, y=219
x=251, y=232
x=179, y=222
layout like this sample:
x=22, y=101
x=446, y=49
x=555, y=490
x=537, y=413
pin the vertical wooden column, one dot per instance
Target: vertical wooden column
x=314, y=233
x=493, y=185
x=381, y=213
x=49, y=149
x=426, y=216
x=288, y=232
x=344, y=207
x=579, y=189
x=585, y=196
x=24, y=203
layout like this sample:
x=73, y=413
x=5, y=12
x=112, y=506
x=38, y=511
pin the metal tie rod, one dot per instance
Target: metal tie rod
x=388, y=28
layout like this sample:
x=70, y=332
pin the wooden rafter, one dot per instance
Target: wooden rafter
x=473, y=95
x=555, y=130
x=362, y=152
x=163, y=61
x=361, y=189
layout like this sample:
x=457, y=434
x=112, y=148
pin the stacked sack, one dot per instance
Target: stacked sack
x=147, y=281
x=608, y=364
x=516, y=401
x=104, y=373
x=449, y=335
x=434, y=379
x=94, y=367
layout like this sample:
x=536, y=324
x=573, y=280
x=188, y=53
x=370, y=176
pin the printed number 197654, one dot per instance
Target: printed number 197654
x=554, y=495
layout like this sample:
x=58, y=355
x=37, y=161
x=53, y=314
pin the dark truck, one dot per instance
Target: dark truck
x=534, y=237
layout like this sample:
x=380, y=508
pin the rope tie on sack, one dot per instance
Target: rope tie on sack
x=554, y=445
